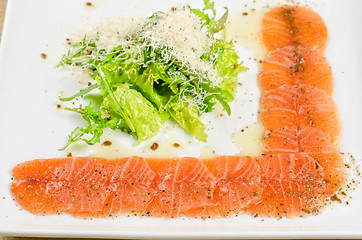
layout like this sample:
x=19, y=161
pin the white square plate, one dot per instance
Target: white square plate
x=31, y=126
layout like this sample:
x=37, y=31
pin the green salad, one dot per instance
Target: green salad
x=171, y=67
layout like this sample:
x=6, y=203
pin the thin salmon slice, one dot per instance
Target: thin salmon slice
x=310, y=29
x=276, y=30
x=183, y=186
x=90, y=187
x=314, y=143
x=296, y=65
x=277, y=68
x=279, y=107
x=289, y=25
x=238, y=183
x=281, y=140
x=83, y=186
x=318, y=145
x=298, y=114
x=33, y=197
x=317, y=109
x=292, y=185
x=311, y=68
x=300, y=106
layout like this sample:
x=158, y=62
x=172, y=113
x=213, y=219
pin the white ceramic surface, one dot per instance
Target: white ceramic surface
x=31, y=126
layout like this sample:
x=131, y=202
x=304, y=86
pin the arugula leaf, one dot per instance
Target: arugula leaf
x=218, y=93
x=219, y=25
x=81, y=93
x=106, y=76
x=212, y=24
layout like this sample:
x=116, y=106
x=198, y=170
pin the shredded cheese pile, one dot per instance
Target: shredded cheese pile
x=178, y=33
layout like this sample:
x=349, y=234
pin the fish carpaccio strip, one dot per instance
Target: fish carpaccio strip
x=296, y=64
x=300, y=106
x=220, y=186
x=299, y=169
x=297, y=110
x=291, y=25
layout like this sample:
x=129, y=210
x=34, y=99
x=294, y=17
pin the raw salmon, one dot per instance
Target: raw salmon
x=289, y=25
x=281, y=140
x=297, y=109
x=279, y=107
x=83, y=186
x=183, y=186
x=300, y=106
x=292, y=185
x=314, y=143
x=221, y=186
x=317, y=109
x=238, y=183
x=300, y=167
x=318, y=145
x=296, y=65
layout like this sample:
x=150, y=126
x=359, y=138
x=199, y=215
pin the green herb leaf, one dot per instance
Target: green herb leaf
x=95, y=125
x=106, y=76
x=212, y=24
x=140, y=112
x=220, y=24
x=81, y=93
x=209, y=5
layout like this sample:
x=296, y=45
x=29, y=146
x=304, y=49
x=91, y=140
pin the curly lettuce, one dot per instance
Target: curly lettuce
x=142, y=85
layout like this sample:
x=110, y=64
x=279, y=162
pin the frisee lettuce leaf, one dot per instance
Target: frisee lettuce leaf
x=96, y=123
x=212, y=24
x=226, y=62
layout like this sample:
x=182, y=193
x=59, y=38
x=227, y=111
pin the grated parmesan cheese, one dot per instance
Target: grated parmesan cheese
x=180, y=30
x=179, y=35
x=112, y=32
x=177, y=32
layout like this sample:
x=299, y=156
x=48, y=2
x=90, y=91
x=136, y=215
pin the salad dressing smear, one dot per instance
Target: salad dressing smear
x=249, y=140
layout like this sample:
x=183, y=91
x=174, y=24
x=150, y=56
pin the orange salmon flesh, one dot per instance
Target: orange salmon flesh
x=299, y=169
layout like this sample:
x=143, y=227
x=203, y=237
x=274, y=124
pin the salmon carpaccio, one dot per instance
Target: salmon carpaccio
x=290, y=25
x=300, y=168
x=225, y=185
